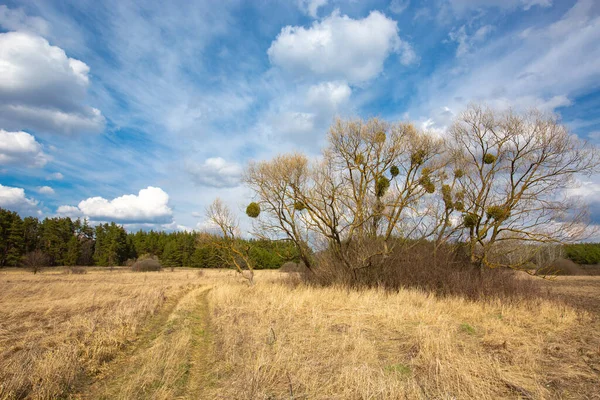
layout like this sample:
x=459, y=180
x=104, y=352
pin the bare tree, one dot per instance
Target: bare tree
x=365, y=189
x=278, y=185
x=35, y=261
x=232, y=251
x=515, y=169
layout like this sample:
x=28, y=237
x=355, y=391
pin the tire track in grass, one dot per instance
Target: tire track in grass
x=170, y=360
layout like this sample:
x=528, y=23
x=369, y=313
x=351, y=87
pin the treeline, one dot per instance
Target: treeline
x=74, y=242
x=583, y=253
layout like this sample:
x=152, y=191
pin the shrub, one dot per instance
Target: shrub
x=78, y=270
x=146, y=263
x=291, y=266
x=413, y=265
x=561, y=267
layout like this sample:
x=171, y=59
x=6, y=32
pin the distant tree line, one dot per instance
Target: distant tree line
x=64, y=241
x=583, y=253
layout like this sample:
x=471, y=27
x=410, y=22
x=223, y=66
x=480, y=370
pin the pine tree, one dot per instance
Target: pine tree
x=16, y=243
x=73, y=251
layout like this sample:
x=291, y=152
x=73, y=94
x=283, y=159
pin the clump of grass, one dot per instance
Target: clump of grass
x=468, y=329
x=399, y=368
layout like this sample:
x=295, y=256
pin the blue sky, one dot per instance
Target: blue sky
x=143, y=112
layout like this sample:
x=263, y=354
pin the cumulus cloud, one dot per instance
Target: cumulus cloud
x=21, y=148
x=339, y=47
x=43, y=89
x=328, y=95
x=311, y=7
x=150, y=205
x=56, y=176
x=215, y=172
x=45, y=190
x=14, y=199
x=17, y=20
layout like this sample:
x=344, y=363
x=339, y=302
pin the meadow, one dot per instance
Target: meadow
x=208, y=334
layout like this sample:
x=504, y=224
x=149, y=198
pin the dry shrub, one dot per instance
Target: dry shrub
x=146, y=263
x=562, y=267
x=444, y=272
x=78, y=270
x=291, y=266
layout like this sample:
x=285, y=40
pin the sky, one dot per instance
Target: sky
x=142, y=112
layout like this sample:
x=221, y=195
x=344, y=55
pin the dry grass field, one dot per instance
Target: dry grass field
x=166, y=335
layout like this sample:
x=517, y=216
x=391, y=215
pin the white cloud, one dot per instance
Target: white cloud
x=340, y=48
x=311, y=7
x=56, y=176
x=215, y=172
x=69, y=211
x=150, y=205
x=328, y=95
x=398, y=6
x=462, y=6
x=45, y=190
x=21, y=148
x=522, y=71
x=17, y=20
x=465, y=41
x=14, y=199
x=41, y=88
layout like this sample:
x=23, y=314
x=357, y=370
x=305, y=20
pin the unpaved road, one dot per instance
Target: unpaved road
x=168, y=360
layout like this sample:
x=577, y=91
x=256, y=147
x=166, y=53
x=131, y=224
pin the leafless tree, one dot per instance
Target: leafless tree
x=35, y=261
x=515, y=169
x=232, y=251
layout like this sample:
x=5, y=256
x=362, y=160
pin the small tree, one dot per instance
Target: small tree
x=35, y=261
x=232, y=251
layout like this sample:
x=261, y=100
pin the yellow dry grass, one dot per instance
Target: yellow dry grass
x=329, y=343
x=56, y=329
x=168, y=335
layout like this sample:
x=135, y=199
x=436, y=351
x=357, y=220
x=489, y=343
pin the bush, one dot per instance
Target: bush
x=146, y=263
x=291, y=266
x=78, y=270
x=413, y=266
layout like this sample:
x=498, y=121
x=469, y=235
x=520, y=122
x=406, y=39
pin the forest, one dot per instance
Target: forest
x=64, y=241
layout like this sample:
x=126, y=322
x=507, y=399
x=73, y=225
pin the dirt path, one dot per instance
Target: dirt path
x=169, y=360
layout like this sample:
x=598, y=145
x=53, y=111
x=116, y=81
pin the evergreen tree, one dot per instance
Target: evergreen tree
x=73, y=251
x=16, y=243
